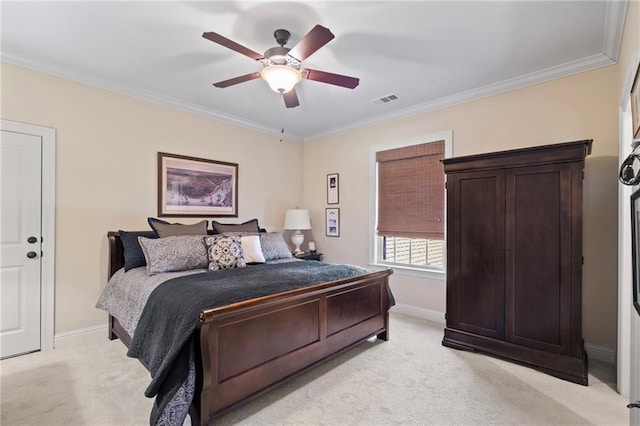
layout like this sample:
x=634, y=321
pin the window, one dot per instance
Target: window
x=410, y=204
x=415, y=252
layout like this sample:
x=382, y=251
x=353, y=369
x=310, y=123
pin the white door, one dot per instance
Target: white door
x=20, y=239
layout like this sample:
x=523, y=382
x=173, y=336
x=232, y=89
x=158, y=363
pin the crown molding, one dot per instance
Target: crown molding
x=616, y=12
x=614, y=27
x=551, y=73
x=141, y=94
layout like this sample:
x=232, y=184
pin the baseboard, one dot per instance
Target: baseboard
x=595, y=352
x=600, y=353
x=422, y=313
x=80, y=331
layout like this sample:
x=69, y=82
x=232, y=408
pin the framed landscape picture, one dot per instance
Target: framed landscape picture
x=189, y=186
x=635, y=247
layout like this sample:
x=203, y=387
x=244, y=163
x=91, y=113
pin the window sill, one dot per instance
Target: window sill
x=409, y=271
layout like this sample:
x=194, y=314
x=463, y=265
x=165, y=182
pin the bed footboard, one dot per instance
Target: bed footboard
x=252, y=346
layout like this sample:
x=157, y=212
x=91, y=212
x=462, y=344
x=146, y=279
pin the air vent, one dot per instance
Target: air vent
x=385, y=99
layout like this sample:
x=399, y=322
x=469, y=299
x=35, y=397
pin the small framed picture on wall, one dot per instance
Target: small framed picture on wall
x=332, y=222
x=332, y=188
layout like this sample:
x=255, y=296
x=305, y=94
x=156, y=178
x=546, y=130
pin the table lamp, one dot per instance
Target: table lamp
x=297, y=220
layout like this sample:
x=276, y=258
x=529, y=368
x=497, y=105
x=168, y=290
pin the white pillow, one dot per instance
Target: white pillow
x=252, y=249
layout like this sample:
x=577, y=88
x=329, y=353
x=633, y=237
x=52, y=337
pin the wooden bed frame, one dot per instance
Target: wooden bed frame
x=247, y=348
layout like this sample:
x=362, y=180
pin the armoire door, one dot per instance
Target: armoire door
x=539, y=257
x=475, y=231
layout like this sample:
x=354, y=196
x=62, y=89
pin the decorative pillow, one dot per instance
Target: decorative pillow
x=252, y=249
x=176, y=253
x=166, y=229
x=224, y=252
x=133, y=255
x=248, y=226
x=274, y=246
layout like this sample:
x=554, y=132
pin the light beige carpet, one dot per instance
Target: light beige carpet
x=412, y=379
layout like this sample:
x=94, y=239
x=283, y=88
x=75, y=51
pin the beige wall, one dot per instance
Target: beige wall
x=106, y=177
x=579, y=107
x=106, y=172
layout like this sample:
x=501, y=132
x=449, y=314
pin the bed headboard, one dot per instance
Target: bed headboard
x=116, y=250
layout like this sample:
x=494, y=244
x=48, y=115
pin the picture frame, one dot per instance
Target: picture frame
x=333, y=191
x=196, y=187
x=635, y=105
x=332, y=222
x=635, y=247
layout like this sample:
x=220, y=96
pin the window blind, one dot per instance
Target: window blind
x=411, y=191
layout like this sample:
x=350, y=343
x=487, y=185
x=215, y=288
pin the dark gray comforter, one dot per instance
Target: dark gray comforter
x=165, y=336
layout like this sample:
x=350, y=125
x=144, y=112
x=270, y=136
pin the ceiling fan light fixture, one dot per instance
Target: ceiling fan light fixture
x=281, y=78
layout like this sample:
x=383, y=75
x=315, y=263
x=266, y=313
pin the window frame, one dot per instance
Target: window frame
x=375, y=241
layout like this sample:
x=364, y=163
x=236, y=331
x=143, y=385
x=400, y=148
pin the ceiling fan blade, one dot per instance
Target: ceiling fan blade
x=310, y=43
x=223, y=41
x=291, y=98
x=330, y=78
x=237, y=80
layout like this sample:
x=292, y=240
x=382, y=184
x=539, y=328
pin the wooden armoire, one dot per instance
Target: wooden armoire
x=514, y=256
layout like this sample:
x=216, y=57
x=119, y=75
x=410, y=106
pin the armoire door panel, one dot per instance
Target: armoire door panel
x=480, y=260
x=538, y=243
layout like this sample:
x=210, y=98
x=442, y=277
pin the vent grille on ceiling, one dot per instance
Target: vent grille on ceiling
x=385, y=99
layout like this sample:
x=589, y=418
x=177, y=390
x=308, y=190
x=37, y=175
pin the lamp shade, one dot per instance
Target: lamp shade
x=281, y=78
x=297, y=219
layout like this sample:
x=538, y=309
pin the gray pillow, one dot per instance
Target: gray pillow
x=166, y=229
x=224, y=252
x=248, y=226
x=274, y=246
x=176, y=253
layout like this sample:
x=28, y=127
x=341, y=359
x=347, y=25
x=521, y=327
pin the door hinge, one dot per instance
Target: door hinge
x=582, y=174
x=582, y=258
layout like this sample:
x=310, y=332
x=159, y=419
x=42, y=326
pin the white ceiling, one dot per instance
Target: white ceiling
x=430, y=54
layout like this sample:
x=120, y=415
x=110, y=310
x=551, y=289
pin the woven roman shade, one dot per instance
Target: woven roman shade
x=411, y=191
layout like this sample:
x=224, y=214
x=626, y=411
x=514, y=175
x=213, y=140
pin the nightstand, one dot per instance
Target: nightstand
x=310, y=256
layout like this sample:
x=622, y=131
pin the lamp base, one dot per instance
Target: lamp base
x=297, y=238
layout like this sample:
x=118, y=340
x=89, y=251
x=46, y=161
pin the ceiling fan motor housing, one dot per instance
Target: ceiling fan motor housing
x=282, y=36
x=277, y=55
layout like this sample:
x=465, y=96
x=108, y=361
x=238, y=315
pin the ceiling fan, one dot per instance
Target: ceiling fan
x=281, y=65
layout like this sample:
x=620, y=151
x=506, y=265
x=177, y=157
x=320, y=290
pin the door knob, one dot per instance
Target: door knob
x=32, y=254
x=32, y=240
x=634, y=405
